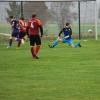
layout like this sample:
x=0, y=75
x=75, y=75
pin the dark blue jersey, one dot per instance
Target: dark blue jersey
x=15, y=27
x=14, y=24
x=67, y=32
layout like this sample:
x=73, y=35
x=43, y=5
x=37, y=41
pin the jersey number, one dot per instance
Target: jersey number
x=32, y=25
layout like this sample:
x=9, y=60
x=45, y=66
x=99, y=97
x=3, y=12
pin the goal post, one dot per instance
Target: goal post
x=96, y=20
x=83, y=15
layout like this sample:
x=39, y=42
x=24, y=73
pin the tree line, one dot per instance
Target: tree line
x=58, y=12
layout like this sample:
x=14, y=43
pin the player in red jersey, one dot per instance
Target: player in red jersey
x=34, y=25
x=22, y=30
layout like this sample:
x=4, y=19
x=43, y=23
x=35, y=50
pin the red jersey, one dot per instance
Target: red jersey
x=22, y=25
x=33, y=26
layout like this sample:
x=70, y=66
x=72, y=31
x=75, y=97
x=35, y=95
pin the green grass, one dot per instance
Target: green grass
x=61, y=73
x=3, y=39
x=5, y=28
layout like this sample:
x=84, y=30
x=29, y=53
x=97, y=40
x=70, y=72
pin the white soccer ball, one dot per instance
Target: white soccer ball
x=90, y=31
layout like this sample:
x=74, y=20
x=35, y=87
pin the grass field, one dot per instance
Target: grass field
x=61, y=73
x=5, y=28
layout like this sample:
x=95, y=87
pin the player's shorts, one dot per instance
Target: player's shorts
x=35, y=39
x=22, y=34
x=69, y=41
x=15, y=33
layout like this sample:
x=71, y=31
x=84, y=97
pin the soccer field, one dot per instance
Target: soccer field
x=61, y=73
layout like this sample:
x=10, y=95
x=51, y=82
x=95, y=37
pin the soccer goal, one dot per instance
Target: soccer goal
x=89, y=19
x=82, y=14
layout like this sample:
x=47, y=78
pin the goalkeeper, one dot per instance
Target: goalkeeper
x=67, y=37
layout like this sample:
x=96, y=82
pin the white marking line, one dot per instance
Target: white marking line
x=5, y=34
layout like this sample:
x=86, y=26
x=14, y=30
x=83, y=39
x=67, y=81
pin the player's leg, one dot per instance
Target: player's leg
x=77, y=45
x=19, y=43
x=64, y=40
x=32, y=44
x=23, y=37
x=55, y=43
x=33, y=47
x=70, y=42
x=15, y=34
x=19, y=39
x=38, y=44
x=10, y=42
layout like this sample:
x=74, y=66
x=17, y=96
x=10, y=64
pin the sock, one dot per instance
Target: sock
x=10, y=42
x=77, y=45
x=19, y=43
x=37, y=49
x=33, y=52
x=54, y=44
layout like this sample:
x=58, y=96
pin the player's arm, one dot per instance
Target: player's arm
x=41, y=30
x=20, y=24
x=12, y=24
x=27, y=31
x=40, y=26
x=27, y=28
x=60, y=32
x=70, y=31
x=59, y=39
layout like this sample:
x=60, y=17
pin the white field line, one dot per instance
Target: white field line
x=4, y=34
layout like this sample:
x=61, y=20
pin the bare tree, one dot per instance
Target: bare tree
x=14, y=9
x=39, y=7
x=61, y=12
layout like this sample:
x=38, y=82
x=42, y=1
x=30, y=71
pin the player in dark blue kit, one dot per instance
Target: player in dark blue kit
x=67, y=37
x=15, y=30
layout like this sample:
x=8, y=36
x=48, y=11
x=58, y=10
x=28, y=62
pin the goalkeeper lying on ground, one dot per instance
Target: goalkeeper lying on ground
x=67, y=37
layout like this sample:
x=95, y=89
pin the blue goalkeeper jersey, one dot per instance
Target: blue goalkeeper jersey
x=67, y=32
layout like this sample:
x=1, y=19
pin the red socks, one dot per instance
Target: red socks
x=34, y=51
x=37, y=49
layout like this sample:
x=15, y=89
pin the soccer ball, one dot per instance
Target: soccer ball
x=90, y=31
